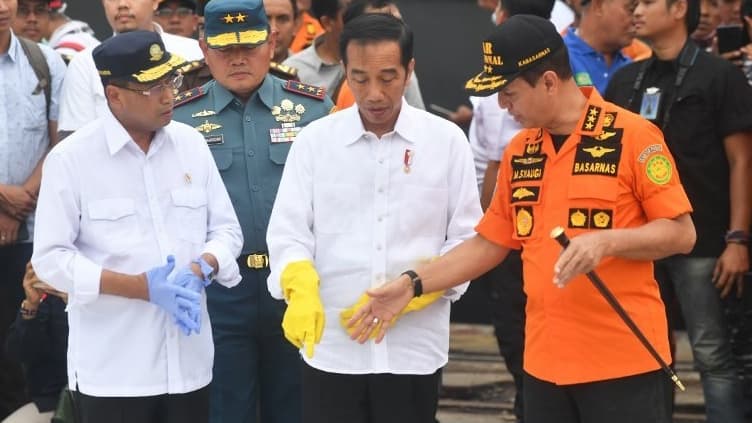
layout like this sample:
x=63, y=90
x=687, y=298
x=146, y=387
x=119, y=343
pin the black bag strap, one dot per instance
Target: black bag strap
x=41, y=69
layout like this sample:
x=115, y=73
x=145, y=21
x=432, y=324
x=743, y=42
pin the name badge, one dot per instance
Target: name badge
x=651, y=99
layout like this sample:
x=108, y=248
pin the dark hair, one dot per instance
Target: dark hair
x=358, y=7
x=373, y=27
x=558, y=61
x=540, y=8
x=321, y=8
x=692, y=18
x=294, y=8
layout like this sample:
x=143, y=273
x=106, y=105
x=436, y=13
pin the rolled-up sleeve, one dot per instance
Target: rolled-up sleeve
x=56, y=259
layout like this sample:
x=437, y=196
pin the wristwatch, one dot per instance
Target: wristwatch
x=207, y=270
x=416, y=281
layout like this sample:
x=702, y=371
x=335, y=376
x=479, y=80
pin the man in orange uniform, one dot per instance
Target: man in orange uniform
x=606, y=175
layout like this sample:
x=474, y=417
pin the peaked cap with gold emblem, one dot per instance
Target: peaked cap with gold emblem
x=518, y=44
x=235, y=22
x=139, y=56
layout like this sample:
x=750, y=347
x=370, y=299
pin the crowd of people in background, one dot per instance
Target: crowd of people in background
x=175, y=244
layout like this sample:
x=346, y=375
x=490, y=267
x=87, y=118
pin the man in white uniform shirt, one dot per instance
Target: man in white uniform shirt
x=119, y=196
x=82, y=98
x=393, y=187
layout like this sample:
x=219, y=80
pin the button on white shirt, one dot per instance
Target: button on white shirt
x=105, y=204
x=363, y=223
x=82, y=99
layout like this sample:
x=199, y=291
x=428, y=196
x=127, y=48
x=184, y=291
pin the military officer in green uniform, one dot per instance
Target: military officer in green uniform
x=249, y=120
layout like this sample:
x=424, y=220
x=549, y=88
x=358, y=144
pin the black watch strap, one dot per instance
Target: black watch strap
x=416, y=281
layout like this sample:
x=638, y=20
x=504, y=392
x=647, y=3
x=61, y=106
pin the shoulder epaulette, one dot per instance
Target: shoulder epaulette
x=283, y=71
x=307, y=90
x=188, y=96
x=192, y=66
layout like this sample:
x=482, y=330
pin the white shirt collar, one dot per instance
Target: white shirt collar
x=402, y=126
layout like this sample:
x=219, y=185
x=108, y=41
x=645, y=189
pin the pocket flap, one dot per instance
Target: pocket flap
x=589, y=187
x=189, y=197
x=111, y=209
x=222, y=157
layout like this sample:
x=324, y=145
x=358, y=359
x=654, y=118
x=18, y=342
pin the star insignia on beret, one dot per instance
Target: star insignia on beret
x=229, y=18
x=240, y=18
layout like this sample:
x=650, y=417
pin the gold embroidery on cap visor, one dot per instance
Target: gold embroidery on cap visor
x=242, y=37
x=157, y=72
x=483, y=82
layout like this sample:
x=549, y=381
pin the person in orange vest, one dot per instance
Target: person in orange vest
x=605, y=174
x=309, y=28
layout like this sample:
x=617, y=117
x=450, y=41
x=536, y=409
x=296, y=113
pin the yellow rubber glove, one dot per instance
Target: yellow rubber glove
x=303, y=322
x=417, y=303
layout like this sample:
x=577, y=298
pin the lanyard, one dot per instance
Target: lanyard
x=687, y=59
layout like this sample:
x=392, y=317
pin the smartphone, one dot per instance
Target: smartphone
x=730, y=38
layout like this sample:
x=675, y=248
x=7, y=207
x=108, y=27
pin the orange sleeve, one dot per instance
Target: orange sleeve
x=497, y=224
x=657, y=182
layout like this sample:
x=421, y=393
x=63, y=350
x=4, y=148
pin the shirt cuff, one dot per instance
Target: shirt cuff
x=229, y=272
x=86, y=281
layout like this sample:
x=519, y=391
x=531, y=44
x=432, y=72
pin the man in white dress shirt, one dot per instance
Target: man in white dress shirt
x=82, y=98
x=119, y=196
x=366, y=193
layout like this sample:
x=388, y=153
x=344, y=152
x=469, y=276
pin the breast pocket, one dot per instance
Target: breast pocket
x=335, y=208
x=592, y=202
x=691, y=126
x=222, y=157
x=114, y=223
x=425, y=210
x=278, y=152
x=189, y=214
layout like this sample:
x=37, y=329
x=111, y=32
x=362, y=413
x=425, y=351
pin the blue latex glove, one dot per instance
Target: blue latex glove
x=180, y=302
x=186, y=278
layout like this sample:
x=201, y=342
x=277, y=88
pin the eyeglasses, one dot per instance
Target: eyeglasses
x=39, y=10
x=181, y=12
x=173, y=84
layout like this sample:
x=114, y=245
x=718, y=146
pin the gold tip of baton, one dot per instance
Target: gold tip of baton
x=678, y=382
x=555, y=232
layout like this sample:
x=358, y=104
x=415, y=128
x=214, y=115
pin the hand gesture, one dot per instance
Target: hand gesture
x=16, y=201
x=182, y=303
x=730, y=269
x=187, y=278
x=8, y=229
x=376, y=315
x=582, y=255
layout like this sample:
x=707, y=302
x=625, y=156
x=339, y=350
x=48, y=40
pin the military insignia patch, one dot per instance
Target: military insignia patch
x=187, y=96
x=287, y=133
x=652, y=148
x=534, y=148
x=528, y=168
x=525, y=194
x=579, y=218
x=591, y=119
x=207, y=127
x=524, y=221
x=204, y=113
x=659, y=169
x=307, y=90
x=288, y=112
x=597, y=158
x=601, y=219
x=609, y=119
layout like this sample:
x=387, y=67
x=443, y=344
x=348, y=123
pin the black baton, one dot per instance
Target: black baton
x=559, y=235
